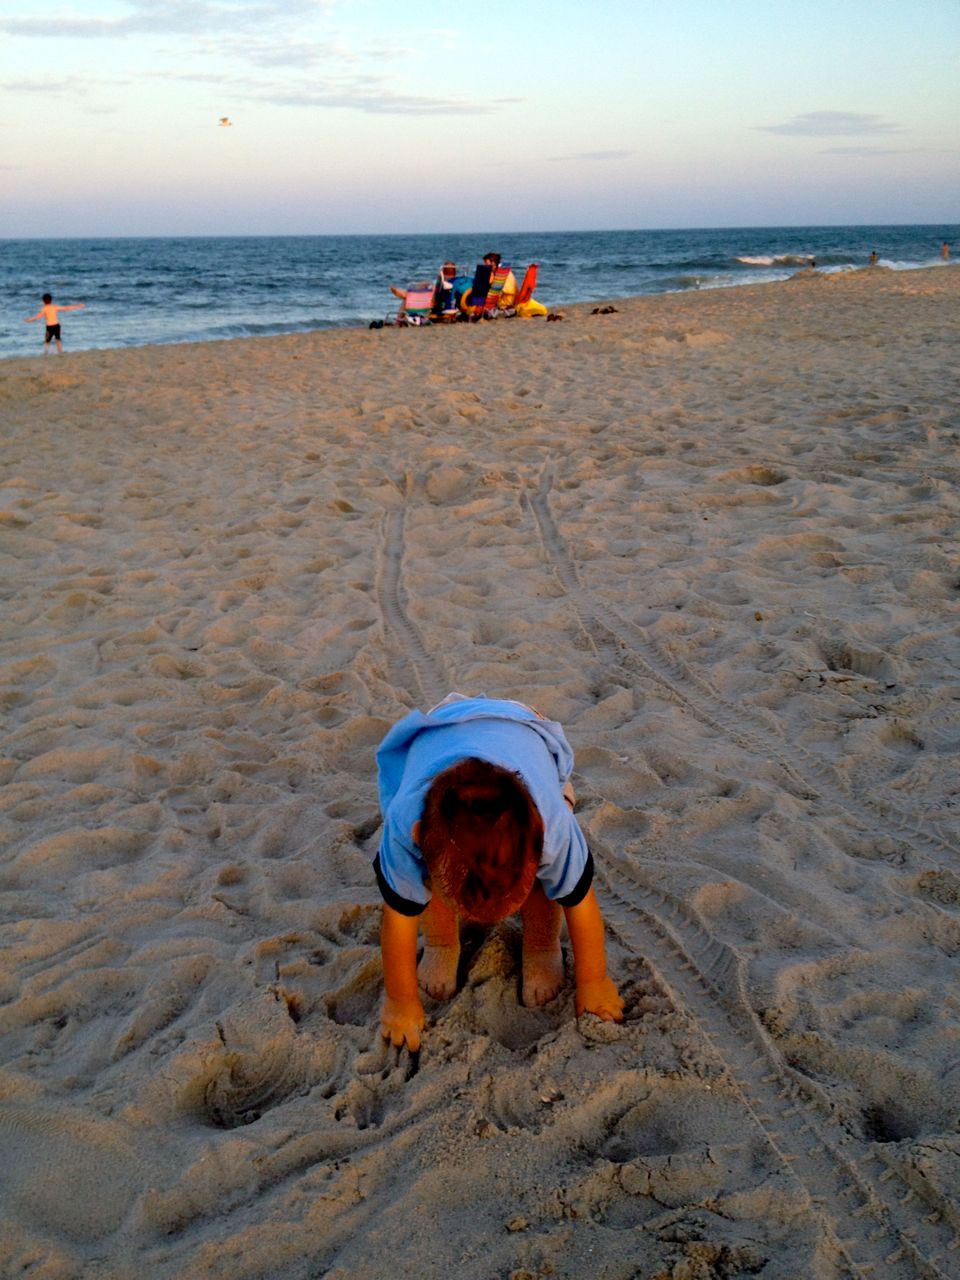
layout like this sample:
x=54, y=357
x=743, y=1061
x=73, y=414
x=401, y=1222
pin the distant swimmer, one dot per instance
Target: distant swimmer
x=50, y=312
x=226, y=122
x=945, y=251
x=873, y=258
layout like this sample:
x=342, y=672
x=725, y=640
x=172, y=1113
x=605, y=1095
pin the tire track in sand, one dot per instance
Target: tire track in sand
x=628, y=647
x=429, y=674
x=892, y=1225
x=877, y=1220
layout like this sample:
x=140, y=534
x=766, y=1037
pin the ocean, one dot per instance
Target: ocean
x=200, y=289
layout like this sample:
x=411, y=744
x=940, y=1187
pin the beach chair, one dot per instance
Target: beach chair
x=522, y=300
x=491, y=302
x=418, y=304
x=526, y=304
x=474, y=300
x=528, y=285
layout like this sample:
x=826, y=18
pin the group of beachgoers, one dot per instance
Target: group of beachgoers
x=490, y=292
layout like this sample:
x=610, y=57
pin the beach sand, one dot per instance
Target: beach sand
x=715, y=536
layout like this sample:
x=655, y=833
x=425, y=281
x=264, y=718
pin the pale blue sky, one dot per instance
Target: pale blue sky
x=422, y=115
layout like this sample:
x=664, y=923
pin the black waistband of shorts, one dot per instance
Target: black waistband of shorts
x=390, y=896
x=581, y=888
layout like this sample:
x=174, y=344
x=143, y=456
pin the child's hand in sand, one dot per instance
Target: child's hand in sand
x=402, y=1021
x=600, y=996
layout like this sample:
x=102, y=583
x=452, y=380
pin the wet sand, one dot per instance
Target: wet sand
x=714, y=535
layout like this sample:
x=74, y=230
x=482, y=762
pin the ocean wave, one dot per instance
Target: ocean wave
x=776, y=259
x=899, y=265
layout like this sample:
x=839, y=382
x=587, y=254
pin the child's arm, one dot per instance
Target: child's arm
x=30, y=319
x=402, y=1018
x=74, y=306
x=596, y=992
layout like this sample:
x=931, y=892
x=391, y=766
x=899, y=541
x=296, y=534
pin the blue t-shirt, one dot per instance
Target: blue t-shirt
x=503, y=733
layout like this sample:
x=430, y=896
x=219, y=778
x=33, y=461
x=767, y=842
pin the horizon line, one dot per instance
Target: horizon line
x=384, y=235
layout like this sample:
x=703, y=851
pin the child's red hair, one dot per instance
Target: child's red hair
x=482, y=838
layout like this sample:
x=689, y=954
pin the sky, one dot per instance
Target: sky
x=259, y=117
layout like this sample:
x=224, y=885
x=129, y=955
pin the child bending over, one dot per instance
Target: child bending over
x=478, y=824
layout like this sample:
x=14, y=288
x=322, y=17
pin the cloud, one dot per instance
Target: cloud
x=595, y=155
x=32, y=86
x=268, y=36
x=376, y=102
x=303, y=53
x=832, y=124
x=388, y=50
x=168, y=17
x=870, y=151
x=63, y=85
x=359, y=92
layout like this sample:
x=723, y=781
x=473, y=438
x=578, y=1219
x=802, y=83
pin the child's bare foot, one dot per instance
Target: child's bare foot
x=437, y=971
x=542, y=975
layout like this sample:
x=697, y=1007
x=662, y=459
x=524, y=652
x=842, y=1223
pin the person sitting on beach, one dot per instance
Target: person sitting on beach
x=508, y=294
x=402, y=295
x=445, y=301
x=479, y=824
x=50, y=312
x=443, y=292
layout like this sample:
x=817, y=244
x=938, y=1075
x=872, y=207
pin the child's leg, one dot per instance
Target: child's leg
x=437, y=971
x=542, y=957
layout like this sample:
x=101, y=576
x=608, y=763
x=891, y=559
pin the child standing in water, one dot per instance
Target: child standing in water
x=50, y=312
x=478, y=824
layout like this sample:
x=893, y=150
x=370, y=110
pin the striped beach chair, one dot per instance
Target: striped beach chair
x=418, y=304
x=499, y=278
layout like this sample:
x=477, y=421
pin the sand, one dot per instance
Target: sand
x=715, y=536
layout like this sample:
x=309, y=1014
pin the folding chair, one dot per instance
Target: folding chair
x=417, y=304
x=499, y=278
x=473, y=301
x=528, y=285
